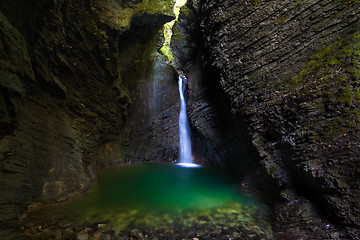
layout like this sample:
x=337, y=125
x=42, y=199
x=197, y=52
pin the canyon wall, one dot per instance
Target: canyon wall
x=75, y=76
x=218, y=139
x=290, y=73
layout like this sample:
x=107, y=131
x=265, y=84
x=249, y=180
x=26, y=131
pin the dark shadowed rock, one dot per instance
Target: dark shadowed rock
x=15, y=65
x=290, y=72
x=64, y=107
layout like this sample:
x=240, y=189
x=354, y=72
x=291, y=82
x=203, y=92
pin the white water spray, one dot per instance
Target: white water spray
x=184, y=129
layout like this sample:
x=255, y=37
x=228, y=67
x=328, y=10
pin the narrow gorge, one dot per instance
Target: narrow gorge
x=89, y=99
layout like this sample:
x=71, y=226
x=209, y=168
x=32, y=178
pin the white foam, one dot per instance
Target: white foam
x=189, y=165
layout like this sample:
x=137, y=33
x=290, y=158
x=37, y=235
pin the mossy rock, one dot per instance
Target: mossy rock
x=350, y=2
x=323, y=102
x=332, y=73
x=119, y=14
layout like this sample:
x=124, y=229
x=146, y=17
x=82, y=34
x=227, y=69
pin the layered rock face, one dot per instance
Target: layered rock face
x=218, y=138
x=67, y=95
x=290, y=70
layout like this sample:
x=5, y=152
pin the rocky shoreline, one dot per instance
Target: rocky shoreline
x=104, y=232
x=232, y=221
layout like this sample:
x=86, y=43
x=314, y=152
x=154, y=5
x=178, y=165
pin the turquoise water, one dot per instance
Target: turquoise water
x=164, y=187
x=152, y=195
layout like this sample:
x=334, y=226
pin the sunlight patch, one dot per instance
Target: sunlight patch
x=165, y=49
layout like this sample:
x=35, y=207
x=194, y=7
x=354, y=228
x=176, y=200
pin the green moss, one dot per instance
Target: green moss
x=165, y=49
x=329, y=83
x=166, y=52
x=299, y=2
x=331, y=71
x=119, y=16
x=326, y=131
x=282, y=18
x=350, y=2
x=273, y=169
x=345, y=96
x=357, y=95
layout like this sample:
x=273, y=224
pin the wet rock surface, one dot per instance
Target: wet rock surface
x=290, y=73
x=218, y=138
x=152, y=130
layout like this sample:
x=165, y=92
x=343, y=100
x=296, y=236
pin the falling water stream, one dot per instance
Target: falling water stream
x=184, y=129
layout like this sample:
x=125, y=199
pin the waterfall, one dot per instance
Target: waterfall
x=184, y=129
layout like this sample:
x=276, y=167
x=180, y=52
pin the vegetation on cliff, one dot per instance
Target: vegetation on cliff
x=120, y=14
x=165, y=49
x=323, y=98
x=332, y=78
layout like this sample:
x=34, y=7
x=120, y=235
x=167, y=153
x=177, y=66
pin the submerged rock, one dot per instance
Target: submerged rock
x=69, y=234
x=83, y=235
x=165, y=201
